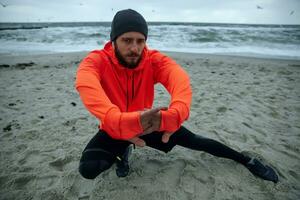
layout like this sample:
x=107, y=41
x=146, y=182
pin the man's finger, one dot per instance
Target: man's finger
x=151, y=119
x=149, y=130
x=137, y=141
x=155, y=110
x=166, y=136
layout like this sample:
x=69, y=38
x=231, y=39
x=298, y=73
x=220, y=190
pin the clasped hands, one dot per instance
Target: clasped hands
x=150, y=121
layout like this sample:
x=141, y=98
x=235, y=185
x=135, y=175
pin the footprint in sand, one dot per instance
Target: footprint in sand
x=30, y=134
x=255, y=139
x=12, y=106
x=21, y=147
x=23, y=181
x=294, y=174
x=38, y=88
x=198, y=103
x=286, y=72
x=4, y=180
x=188, y=63
x=46, y=181
x=78, y=187
x=202, y=180
x=28, y=157
x=221, y=109
x=12, y=125
x=60, y=163
x=287, y=151
x=260, y=131
x=74, y=121
x=244, y=123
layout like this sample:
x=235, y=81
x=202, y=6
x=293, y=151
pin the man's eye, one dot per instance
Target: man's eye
x=127, y=41
x=141, y=41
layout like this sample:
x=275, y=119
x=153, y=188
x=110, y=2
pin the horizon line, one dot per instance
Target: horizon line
x=182, y=22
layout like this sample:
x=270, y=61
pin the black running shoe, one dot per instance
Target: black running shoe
x=263, y=171
x=122, y=169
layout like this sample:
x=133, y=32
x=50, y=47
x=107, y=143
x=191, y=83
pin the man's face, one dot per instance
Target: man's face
x=129, y=47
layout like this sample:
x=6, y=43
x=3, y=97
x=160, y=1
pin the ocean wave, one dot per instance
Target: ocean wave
x=188, y=37
x=16, y=28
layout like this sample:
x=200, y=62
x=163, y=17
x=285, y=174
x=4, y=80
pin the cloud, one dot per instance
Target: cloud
x=229, y=11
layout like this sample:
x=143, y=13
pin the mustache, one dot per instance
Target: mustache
x=133, y=54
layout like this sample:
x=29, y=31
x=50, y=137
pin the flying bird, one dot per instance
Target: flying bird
x=3, y=5
x=292, y=12
x=259, y=7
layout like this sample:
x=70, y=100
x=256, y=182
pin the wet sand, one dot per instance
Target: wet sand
x=250, y=104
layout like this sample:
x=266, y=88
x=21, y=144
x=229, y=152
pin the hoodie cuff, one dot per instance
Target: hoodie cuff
x=130, y=125
x=122, y=126
x=172, y=119
x=169, y=120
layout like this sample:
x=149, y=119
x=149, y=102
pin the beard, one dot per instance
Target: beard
x=131, y=65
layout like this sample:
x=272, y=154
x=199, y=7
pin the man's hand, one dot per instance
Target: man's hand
x=151, y=119
x=137, y=141
x=166, y=136
x=141, y=143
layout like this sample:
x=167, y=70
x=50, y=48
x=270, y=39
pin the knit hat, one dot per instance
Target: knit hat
x=127, y=21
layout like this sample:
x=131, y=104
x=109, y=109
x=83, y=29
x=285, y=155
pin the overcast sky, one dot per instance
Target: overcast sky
x=220, y=11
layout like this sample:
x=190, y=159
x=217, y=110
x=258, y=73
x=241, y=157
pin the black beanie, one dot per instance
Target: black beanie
x=127, y=21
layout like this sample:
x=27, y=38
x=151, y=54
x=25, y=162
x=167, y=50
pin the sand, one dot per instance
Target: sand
x=250, y=104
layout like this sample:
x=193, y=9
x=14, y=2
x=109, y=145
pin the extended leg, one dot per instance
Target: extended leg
x=186, y=138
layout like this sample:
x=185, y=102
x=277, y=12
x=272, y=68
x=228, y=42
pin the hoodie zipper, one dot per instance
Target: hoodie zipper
x=132, y=86
x=130, y=80
x=127, y=100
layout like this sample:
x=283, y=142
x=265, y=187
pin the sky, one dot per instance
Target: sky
x=206, y=11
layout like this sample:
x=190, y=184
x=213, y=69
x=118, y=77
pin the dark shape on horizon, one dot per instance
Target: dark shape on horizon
x=259, y=7
x=153, y=10
x=112, y=9
x=292, y=12
x=3, y=5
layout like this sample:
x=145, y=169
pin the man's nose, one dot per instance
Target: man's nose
x=134, y=47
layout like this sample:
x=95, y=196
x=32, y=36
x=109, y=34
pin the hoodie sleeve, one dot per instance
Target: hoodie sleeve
x=119, y=125
x=177, y=83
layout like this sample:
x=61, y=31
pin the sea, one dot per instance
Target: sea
x=276, y=41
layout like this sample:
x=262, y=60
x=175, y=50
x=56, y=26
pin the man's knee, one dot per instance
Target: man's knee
x=91, y=169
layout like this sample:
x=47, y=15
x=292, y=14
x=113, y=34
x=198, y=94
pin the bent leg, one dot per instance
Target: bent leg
x=93, y=162
x=186, y=138
x=100, y=154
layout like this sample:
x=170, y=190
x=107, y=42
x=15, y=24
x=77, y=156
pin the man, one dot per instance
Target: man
x=116, y=84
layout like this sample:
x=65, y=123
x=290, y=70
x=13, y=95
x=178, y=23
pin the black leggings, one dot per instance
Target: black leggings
x=101, y=152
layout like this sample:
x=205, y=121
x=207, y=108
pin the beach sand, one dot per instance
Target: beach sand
x=250, y=104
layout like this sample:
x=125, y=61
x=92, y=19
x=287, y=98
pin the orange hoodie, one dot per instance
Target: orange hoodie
x=116, y=95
